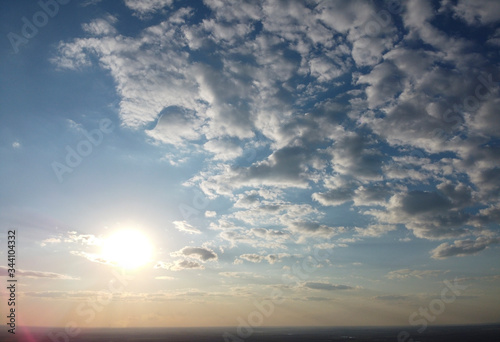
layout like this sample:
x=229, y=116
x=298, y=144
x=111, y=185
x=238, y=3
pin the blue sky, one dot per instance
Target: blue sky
x=345, y=154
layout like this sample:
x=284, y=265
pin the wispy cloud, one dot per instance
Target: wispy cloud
x=183, y=226
x=36, y=274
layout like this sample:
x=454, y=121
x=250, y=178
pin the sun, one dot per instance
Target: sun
x=127, y=249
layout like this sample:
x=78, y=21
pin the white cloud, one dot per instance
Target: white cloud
x=142, y=7
x=210, y=213
x=183, y=226
x=223, y=149
x=50, y=240
x=175, y=125
x=101, y=27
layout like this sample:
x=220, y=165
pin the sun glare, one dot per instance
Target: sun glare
x=127, y=248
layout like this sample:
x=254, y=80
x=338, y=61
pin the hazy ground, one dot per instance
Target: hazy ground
x=475, y=333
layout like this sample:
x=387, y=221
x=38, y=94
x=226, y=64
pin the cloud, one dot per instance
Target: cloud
x=210, y=213
x=429, y=214
x=179, y=265
x=270, y=234
x=93, y=257
x=183, y=226
x=142, y=7
x=73, y=295
x=82, y=239
x=200, y=253
x=374, y=230
x=481, y=12
x=50, y=240
x=392, y=298
x=407, y=273
x=334, y=197
x=326, y=286
x=36, y=274
x=463, y=247
x=314, y=229
x=164, y=278
x=240, y=275
x=101, y=27
x=176, y=125
x=385, y=82
x=355, y=103
x=223, y=149
x=257, y=258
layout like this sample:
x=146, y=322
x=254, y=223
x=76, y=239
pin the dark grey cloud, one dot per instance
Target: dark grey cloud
x=200, y=253
x=418, y=202
x=334, y=197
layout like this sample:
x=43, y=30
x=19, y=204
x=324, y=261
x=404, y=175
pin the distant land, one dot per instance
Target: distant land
x=458, y=333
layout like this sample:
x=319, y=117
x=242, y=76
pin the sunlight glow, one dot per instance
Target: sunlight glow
x=127, y=248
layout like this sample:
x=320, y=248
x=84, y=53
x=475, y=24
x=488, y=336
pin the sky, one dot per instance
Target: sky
x=268, y=163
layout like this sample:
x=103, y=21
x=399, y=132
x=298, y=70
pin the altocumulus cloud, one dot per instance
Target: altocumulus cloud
x=397, y=124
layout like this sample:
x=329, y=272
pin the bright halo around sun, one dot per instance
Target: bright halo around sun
x=127, y=248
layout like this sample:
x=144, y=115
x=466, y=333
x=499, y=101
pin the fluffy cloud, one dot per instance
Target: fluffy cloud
x=176, y=125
